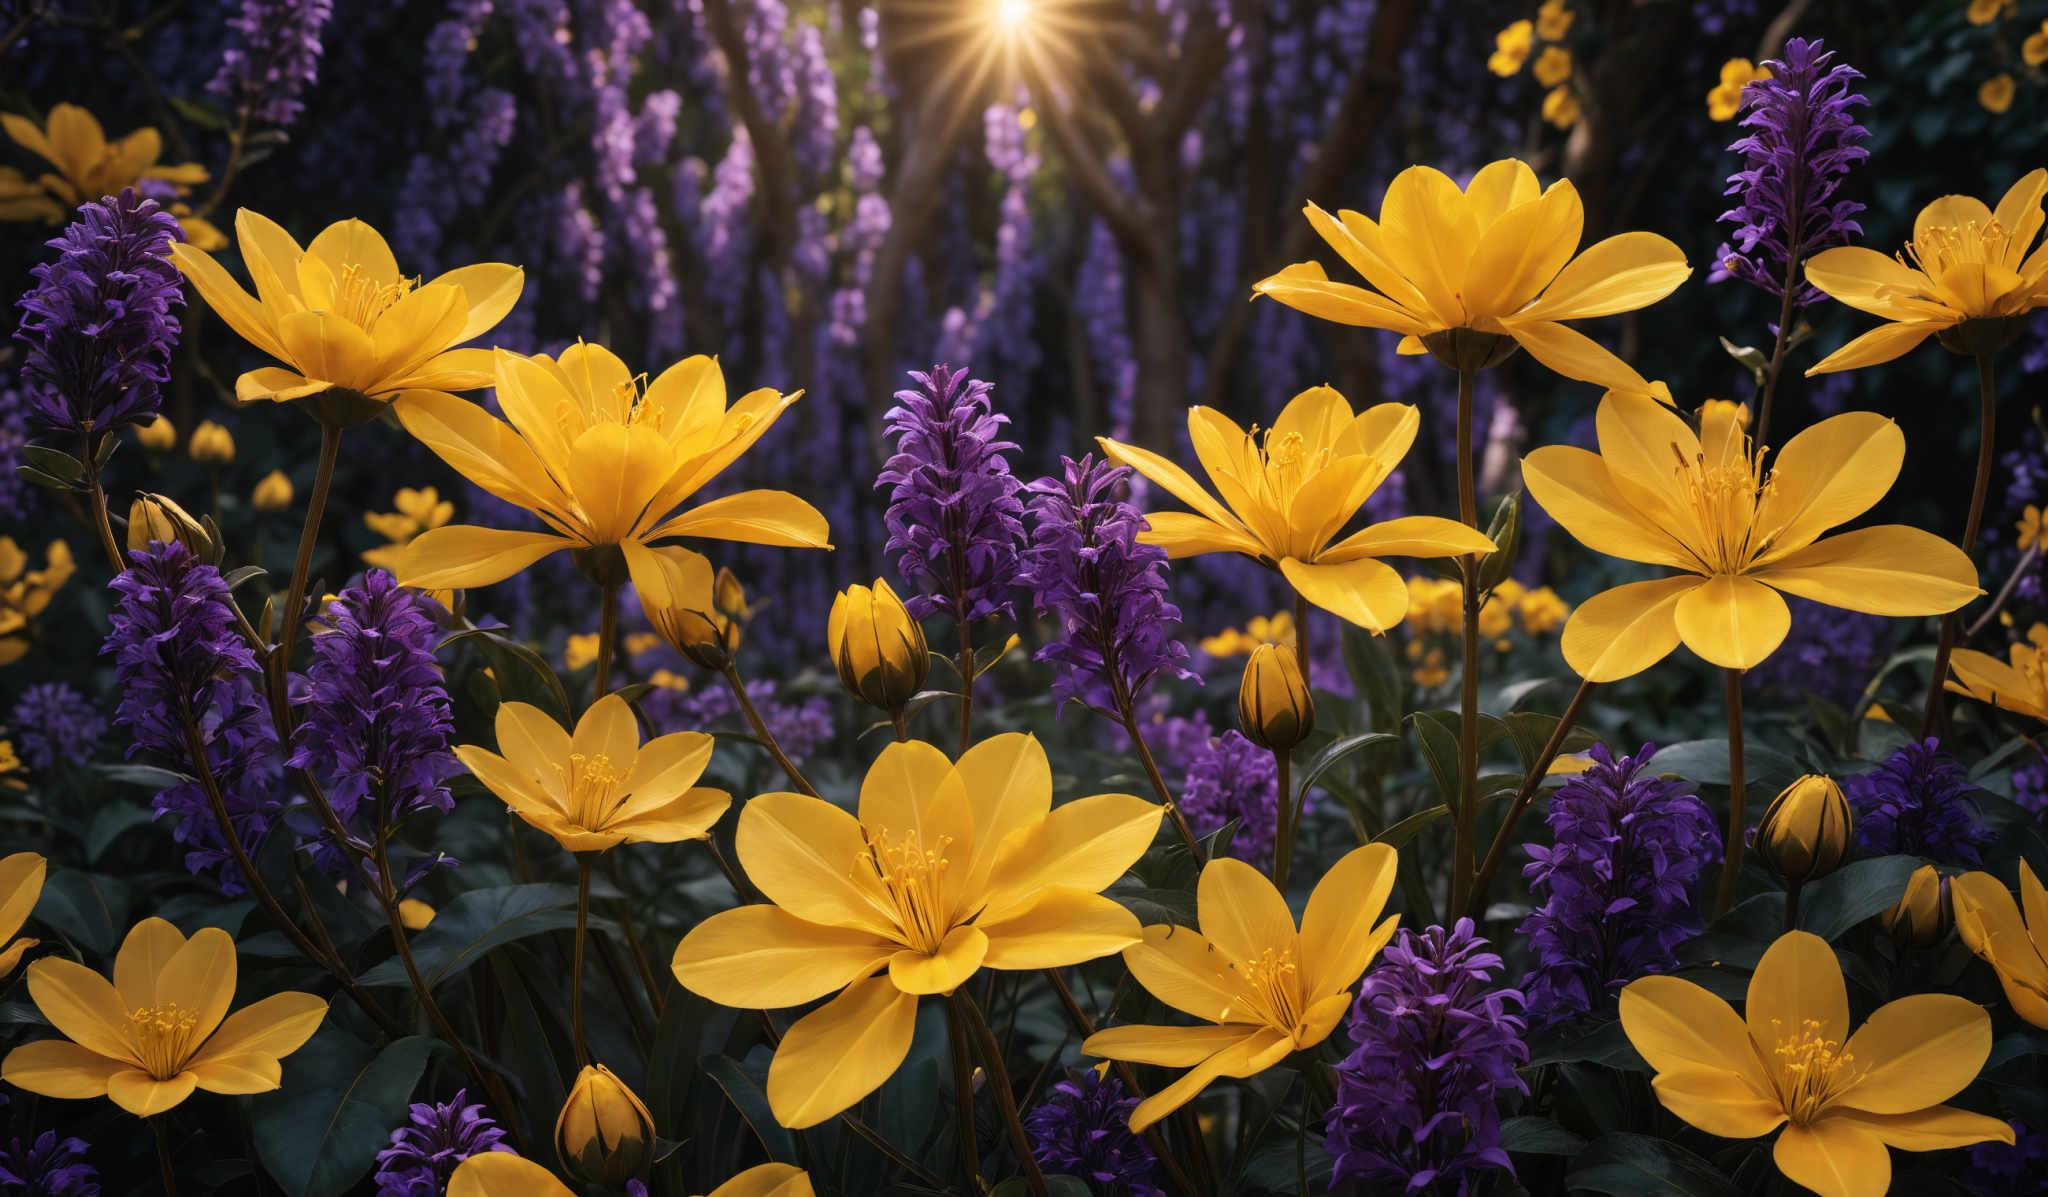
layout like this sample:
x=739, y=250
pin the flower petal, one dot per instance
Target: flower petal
x=1620, y=274
x=762, y=957
x=1367, y=592
x=1573, y=354
x=1890, y=569
x=1164, y=1047
x=1339, y=937
x=1731, y=621
x=1241, y=912
x=1835, y=1157
x=1058, y=927
x=770, y=517
x=1357, y=240
x=226, y=297
x=1170, y=478
x=1679, y=1026
x=1409, y=536
x=502, y=1174
x=1523, y=250
x=1305, y=288
x=1575, y=488
x=200, y=978
x=765, y=1180
x=489, y=289
x=329, y=348
x=1935, y=1129
x=1867, y=280
x=1879, y=345
x=1085, y=844
x=958, y=958
x=1182, y=534
x=1008, y=781
x=1254, y=1054
x=1719, y=1102
x=1916, y=1052
x=1619, y=633
x=1798, y=982
x=21, y=884
x=145, y=951
x=461, y=556
x=1829, y=474
x=60, y=1068
x=840, y=1052
x=273, y=1028
x=144, y=1096
x=83, y=1006
x=901, y=788
x=1428, y=235
x=1184, y=970
x=803, y=853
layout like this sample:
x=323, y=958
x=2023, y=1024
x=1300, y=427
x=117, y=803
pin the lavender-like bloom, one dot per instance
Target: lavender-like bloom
x=98, y=325
x=1083, y=1130
x=1438, y=1045
x=20, y=499
x=1232, y=778
x=48, y=1167
x=1615, y=889
x=55, y=724
x=281, y=58
x=954, y=518
x=801, y=728
x=179, y=657
x=1107, y=591
x=1919, y=803
x=423, y=1155
x=375, y=716
x=1803, y=139
x=1828, y=651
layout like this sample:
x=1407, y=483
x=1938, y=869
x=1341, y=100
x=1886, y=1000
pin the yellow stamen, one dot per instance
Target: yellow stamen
x=163, y=1038
x=1812, y=1070
x=915, y=878
x=360, y=301
x=1272, y=990
x=590, y=783
x=1723, y=500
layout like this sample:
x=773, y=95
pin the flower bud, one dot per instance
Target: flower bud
x=1805, y=832
x=680, y=599
x=605, y=1134
x=211, y=444
x=157, y=436
x=877, y=647
x=1274, y=709
x=1924, y=914
x=156, y=518
x=273, y=493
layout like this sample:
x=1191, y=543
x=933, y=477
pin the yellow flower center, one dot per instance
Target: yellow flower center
x=1272, y=989
x=591, y=784
x=1723, y=500
x=1944, y=247
x=1812, y=1070
x=915, y=878
x=1278, y=468
x=163, y=1038
x=361, y=300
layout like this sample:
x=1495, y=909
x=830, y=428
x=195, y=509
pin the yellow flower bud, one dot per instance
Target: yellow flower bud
x=154, y=518
x=1511, y=48
x=605, y=1134
x=274, y=493
x=1553, y=20
x=877, y=646
x=1561, y=107
x=1805, y=832
x=1925, y=912
x=1274, y=709
x=158, y=435
x=688, y=607
x=211, y=444
x=1995, y=94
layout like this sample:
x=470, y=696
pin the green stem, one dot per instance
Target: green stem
x=1495, y=855
x=101, y=524
x=576, y=967
x=302, y=568
x=1738, y=795
x=963, y=1097
x=1776, y=366
x=1987, y=405
x=901, y=722
x=966, y=685
x=999, y=1081
x=607, y=634
x=1128, y=713
x=1301, y=645
x=163, y=1157
x=1283, y=814
x=1466, y=817
x=761, y=732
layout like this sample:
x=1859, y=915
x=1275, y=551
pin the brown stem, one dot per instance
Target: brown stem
x=100, y=523
x=1466, y=825
x=1772, y=371
x=1496, y=854
x=607, y=633
x=2019, y=571
x=302, y=568
x=966, y=684
x=163, y=1157
x=1301, y=645
x=901, y=722
x=767, y=738
x=238, y=141
x=1283, y=814
x=963, y=1096
x=1086, y=1025
x=576, y=967
x=1987, y=404
x=999, y=1081
x=1738, y=794
x=1173, y=812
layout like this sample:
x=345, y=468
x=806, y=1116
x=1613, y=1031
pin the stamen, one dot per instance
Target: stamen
x=162, y=1038
x=1813, y=1070
x=589, y=782
x=360, y=301
x=915, y=878
x=1272, y=989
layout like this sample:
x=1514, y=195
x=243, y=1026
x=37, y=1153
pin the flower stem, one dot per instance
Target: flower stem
x=966, y=685
x=1792, y=907
x=1496, y=854
x=576, y=967
x=1776, y=366
x=760, y=726
x=1129, y=715
x=999, y=1081
x=1283, y=818
x=901, y=722
x=1987, y=454
x=163, y=1157
x=1301, y=645
x=101, y=524
x=1738, y=795
x=1465, y=845
x=1086, y=1026
x=607, y=635
x=963, y=1096
x=302, y=567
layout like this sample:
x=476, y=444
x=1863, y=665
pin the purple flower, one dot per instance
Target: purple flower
x=1083, y=1130
x=954, y=518
x=55, y=724
x=1438, y=1045
x=1828, y=651
x=423, y=1155
x=280, y=57
x=1615, y=889
x=1229, y=778
x=48, y=1167
x=20, y=499
x=1803, y=139
x=98, y=325
x=179, y=657
x=1918, y=803
x=1107, y=591
x=800, y=727
x=2001, y=1170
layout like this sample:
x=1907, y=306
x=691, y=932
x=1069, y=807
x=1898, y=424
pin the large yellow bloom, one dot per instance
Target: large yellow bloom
x=502, y=1174
x=1269, y=989
x=2015, y=947
x=1790, y=1061
x=160, y=1028
x=1705, y=504
x=1288, y=493
x=89, y=167
x=340, y=315
x=601, y=461
x=21, y=883
x=601, y=787
x=1495, y=257
x=2020, y=686
x=948, y=869
x=1967, y=263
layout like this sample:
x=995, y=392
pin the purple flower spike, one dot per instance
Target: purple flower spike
x=1083, y=1130
x=279, y=59
x=1918, y=803
x=1803, y=139
x=954, y=517
x=423, y=1155
x=1229, y=777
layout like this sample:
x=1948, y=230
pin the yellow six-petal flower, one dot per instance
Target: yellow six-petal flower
x=89, y=167
x=2015, y=946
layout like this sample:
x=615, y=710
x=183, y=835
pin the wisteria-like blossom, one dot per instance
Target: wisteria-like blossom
x=279, y=57
x=1230, y=778
x=53, y=724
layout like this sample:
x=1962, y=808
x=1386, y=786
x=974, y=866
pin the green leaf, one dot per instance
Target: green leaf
x=1400, y=833
x=319, y=1134
x=1538, y=1136
x=1375, y=674
x=147, y=776
x=1854, y=892
x=1336, y=751
x=1627, y=1165
x=1606, y=1044
x=54, y=462
x=465, y=930
x=746, y=1097
x=108, y=822
x=1531, y=731
x=1706, y=762
x=90, y=910
x=503, y=655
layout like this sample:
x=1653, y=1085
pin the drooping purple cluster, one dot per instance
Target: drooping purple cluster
x=1615, y=890
x=1828, y=651
x=424, y=1154
x=98, y=325
x=278, y=60
x=54, y=724
x=2002, y=1170
x=1107, y=592
x=179, y=657
x=1438, y=1043
x=1083, y=1130
x=1230, y=778
x=374, y=712
x=1803, y=139
x=1918, y=803
x=954, y=517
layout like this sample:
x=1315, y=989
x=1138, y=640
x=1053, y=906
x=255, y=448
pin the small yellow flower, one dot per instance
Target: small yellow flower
x=25, y=592
x=1268, y=989
x=1277, y=628
x=2014, y=945
x=21, y=883
x=1725, y=100
x=1924, y=913
x=682, y=600
x=579, y=651
x=1543, y=612
x=1553, y=66
x=161, y=1028
x=668, y=679
x=1434, y=671
x=1790, y=1061
x=211, y=444
x=502, y=1174
x=414, y=512
x=1984, y=12
x=1435, y=605
x=2029, y=527
x=273, y=493
x=1996, y=93
x=1511, y=48
x=1561, y=108
x=89, y=167
x=157, y=436
x=1553, y=20
x=604, y=1132
x=2035, y=49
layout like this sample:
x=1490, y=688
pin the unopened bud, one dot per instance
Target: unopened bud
x=877, y=646
x=1805, y=832
x=1274, y=709
x=1924, y=913
x=605, y=1134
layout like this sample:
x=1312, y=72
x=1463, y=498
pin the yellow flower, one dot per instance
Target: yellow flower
x=1435, y=604
x=1451, y=269
x=601, y=461
x=2020, y=686
x=949, y=868
x=1806, y=831
x=159, y=519
x=1704, y=504
x=580, y=650
x=273, y=493
x=604, y=1133
x=1269, y=989
x=2029, y=527
x=1543, y=612
x=1553, y=66
x=1725, y=100
x=668, y=679
x=415, y=511
x=601, y=787
x=877, y=646
x=1553, y=20
x=2035, y=49
x=1561, y=109
x=11, y=768
x=1288, y=493
x=157, y=436
x=1995, y=93
x=1983, y=12
x=2015, y=947
x=414, y=914
x=1968, y=263
x=1511, y=49
x=160, y=1028
x=211, y=444
x=339, y=315
x=1274, y=708
x=25, y=592
x=1790, y=1061
x=21, y=883
x=89, y=167
x=502, y=1174
x=1924, y=912
x=1277, y=628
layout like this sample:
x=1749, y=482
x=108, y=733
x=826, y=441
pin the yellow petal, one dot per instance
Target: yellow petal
x=1679, y=1026
x=490, y=290
x=417, y=327
x=1880, y=344
x=802, y=852
x=667, y=765
x=1733, y=622
x=1575, y=488
x=1009, y=787
x=1249, y=1056
x=1357, y=240
x=200, y=978
x=1522, y=251
x=1058, y=927
x=533, y=743
x=1170, y=478
x=1165, y=1047
x=1718, y=1102
x=479, y=446
x=1886, y=570
x=459, y=556
x=901, y=787
x=60, y=1068
x=1573, y=354
x=1501, y=186
x=145, y=952
x=1185, y=535
x=770, y=517
x=1409, y=536
x=1935, y=1129
x=1085, y=844
x=354, y=243
x=1619, y=633
x=1798, y=981
x=765, y=1180
x=1829, y=474
x=225, y=296
x=82, y=1005
x=1916, y=1052
x=1181, y=968
x=958, y=958
x=21, y=883
x=1338, y=933
x=144, y=1096
x=1835, y=1157
x=1621, y=274
x=329, y=348
x=1429, y=235
x=614, y=470
x=607, y=729
x=762, y=957
x=502, y=1174
x=1366, y=592
x=1866, y=280
x=1304, y=288
x=273, y=384
x=1241, y=912
x=689, y=815
x=840, y=1052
